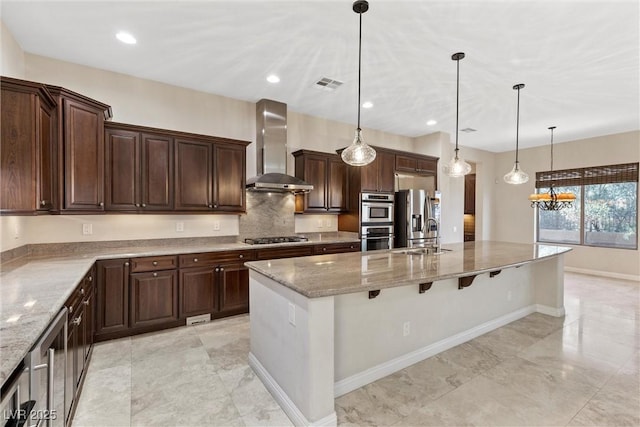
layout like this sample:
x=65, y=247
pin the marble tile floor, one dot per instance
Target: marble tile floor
x=580, y=370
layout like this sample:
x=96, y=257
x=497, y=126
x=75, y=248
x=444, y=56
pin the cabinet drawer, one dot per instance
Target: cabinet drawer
x=288, y=252
x=153, y=263
x=336, y=248
x=215, y=258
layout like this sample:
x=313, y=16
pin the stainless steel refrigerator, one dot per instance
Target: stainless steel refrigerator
x=417, y=218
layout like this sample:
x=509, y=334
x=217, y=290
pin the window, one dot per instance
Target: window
x=605, y=212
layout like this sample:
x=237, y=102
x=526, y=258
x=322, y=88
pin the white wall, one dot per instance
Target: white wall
x=11, y=54
x=513, y=218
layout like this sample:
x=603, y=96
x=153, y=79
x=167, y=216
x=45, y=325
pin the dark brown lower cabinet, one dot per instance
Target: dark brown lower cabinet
x=197, y=291
x=112, y=298
x=234, y=288
x=154, y=298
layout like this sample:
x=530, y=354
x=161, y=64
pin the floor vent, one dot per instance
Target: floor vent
x=328, y=84
x=196, y=320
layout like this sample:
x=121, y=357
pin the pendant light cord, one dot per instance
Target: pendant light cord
x=457, y=100
x=517, y=124
x=551, y=128
x=359, y=65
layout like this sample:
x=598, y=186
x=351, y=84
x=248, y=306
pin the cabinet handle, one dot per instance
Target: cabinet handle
x=324, y=249
x=86, y=302
x=71, y=309
x=81, y=291
x=221, y=269
x=101, y=204
x=155, y=262
x=210, y=206
x=216, y=269
x=215, y=206
x=77, y=320
x=43, y=202
x=126, y=264
x=144, y=205
x=195, y=260
x=90, y=278
x=241, y=256
x=137, y=205
x=155, y=274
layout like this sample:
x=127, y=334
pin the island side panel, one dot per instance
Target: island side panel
x=370, y=341
x=298, y=358
x=549, y=289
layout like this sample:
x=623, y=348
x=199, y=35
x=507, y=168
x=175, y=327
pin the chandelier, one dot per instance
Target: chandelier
x=552, y=201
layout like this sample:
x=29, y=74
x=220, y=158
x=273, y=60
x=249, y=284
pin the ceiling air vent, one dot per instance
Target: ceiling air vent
x=468, y=130
x=327, y=84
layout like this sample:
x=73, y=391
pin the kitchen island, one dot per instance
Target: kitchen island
x=322, y=326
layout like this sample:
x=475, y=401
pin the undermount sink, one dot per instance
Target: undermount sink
x=420, y=251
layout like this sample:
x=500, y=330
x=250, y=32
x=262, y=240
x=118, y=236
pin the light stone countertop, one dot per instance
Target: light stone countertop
x=327, y=275
x=34, y=289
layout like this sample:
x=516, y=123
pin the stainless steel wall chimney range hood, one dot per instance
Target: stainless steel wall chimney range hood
x=271, y=151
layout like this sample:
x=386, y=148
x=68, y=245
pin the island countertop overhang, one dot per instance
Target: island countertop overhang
x=328, y=275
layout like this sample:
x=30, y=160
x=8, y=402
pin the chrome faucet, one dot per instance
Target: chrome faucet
x=435, y=245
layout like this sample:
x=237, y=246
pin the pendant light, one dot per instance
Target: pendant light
x=517, y=176
x=551, y=201
x=359, y=153
x=457, y=166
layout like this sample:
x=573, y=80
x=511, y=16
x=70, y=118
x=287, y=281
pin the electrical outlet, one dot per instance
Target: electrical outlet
x=319, y=223
x=16, y=232
x=327, y=223
x=406, y=329
x=87, y=229
x=292, y=314
x=216, y=225
x=179, y=227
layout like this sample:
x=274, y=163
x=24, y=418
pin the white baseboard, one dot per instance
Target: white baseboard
x=550, y=311
x=633, y=277
x=287, y=405
x=380, y=371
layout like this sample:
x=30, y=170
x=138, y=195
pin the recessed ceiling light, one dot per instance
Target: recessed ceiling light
x=125, y=37
x=367, y=104
x=273, y=79
x=431, y=122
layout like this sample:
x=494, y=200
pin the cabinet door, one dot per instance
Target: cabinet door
x=122, y=170
x=84, y=157
x=406, y=163
x=386, y=171
x=156, y=173
x=154, y=298
x=369, y=175
x=17, y=154
x=77, y=324
x=193, y=175
x=197, y=291
x=46, y=161
x=427, y=166
x=470, y=194
x=112, y=302
x=315, y=172
x=337, y=185
x=234, y=288
x=229, y=178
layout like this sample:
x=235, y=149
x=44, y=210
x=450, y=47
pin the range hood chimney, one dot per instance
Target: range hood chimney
x=271, y=151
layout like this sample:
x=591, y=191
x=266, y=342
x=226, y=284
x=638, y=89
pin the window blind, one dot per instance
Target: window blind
x=627, y=172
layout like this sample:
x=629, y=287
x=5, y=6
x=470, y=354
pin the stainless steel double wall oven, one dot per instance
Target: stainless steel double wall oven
x=376, y=221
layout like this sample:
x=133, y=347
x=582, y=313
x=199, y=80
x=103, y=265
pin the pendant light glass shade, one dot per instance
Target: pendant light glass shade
x=457, y=167
x=517, y=175
x=359, y=153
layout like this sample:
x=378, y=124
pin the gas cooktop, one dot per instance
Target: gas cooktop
x=267, y=240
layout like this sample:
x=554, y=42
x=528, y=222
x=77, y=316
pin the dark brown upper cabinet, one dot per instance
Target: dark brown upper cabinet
x=419, y=165
x=138, y=169
x=26, y=148
x=328, y=175
x=377, y=176
x=470, y=194
x=210, y=174
x=79, y=130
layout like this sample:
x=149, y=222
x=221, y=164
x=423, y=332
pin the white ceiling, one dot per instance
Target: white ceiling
x=579, y=59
